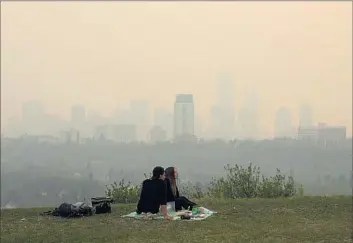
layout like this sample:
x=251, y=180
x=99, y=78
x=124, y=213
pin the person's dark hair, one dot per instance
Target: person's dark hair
x=170, y=175
x=157, y=172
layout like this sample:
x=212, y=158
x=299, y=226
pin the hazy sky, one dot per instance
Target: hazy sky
x=103, y=54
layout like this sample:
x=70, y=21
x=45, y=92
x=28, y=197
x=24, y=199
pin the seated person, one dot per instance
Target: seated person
x=154, y=194
x=171, y=175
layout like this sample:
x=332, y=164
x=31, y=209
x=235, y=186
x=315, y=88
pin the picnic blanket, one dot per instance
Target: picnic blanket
x=176, y=215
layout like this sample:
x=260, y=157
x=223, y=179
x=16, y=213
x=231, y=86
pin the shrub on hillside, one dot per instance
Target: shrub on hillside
x=247, y=182
x=189, y=190
x=123, y=192
x=239, y=182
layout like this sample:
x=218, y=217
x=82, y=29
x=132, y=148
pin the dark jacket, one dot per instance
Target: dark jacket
x=180, y=201
x=153, y=195
x=170, y=196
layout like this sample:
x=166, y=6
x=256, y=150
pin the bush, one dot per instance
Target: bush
x=123, y=192
x=245, y=182
x=239, y=182
x=190, y=190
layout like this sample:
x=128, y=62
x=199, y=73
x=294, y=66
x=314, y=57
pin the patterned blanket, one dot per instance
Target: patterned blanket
x=203, y=214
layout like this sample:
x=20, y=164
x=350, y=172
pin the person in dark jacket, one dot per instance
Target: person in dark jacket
x=154, y=194
x=171, y=175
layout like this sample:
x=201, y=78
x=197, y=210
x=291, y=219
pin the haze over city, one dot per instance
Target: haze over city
x=96, y=92
x=103, y=55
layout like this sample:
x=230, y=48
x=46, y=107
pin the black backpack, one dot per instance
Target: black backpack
x=67, y=210
x=102, y=204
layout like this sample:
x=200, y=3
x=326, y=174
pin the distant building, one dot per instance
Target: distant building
x=70, y=137
x=307, y=133
x=122, y=133
x=331, y=134
x=183, y=115
x=157, y=134
x=323, y=134
x=223, y=113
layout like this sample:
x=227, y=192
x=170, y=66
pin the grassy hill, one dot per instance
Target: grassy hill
x=306, y=219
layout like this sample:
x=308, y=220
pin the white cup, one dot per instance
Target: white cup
x=171, y=206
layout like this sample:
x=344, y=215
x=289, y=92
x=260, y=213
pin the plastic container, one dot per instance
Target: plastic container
x=171, y=207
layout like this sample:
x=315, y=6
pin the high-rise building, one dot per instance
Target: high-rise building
x=223, y=113
x=184, y=115
x=283, y=123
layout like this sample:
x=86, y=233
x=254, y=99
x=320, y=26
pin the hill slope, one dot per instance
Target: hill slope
x=307, y=219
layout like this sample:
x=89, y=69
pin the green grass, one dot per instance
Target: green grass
x=306, y=219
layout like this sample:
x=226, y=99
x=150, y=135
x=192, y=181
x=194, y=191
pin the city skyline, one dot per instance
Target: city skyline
x=173, y=122
x=291, y=52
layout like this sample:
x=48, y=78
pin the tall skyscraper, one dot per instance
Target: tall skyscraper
x=283, y=123
x=223, y=113
x=183, y=115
